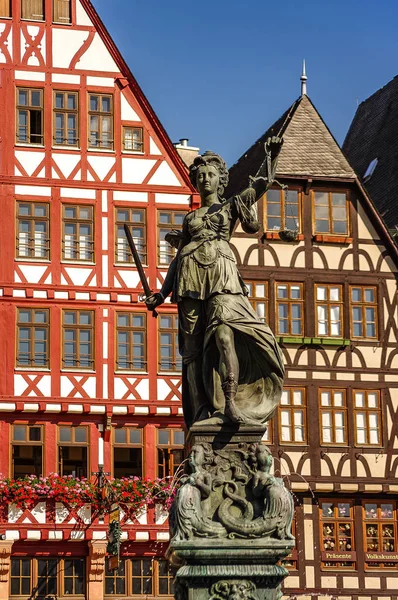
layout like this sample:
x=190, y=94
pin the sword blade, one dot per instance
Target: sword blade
x=138, y=263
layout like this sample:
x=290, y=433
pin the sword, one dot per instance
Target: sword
x=144, y=281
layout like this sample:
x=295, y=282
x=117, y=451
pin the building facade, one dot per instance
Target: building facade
x=88, y=378
x=330, y=297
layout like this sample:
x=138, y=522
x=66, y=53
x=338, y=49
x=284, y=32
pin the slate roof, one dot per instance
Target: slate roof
x=309, y=149
x=374, y=134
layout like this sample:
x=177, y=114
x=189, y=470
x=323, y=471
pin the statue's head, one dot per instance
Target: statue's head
x=210, y=159
x=200, y=455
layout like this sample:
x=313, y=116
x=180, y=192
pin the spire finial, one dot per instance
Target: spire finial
x=303, y=80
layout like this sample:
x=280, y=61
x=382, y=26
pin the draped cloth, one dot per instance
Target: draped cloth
x=210, y=291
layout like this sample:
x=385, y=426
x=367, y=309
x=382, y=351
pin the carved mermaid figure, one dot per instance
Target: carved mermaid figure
x=187, y=518
x=232, y=366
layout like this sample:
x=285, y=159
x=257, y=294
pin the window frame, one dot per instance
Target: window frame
x=283, y=216
x=128, y=578
x=173, y=331
x=128, y=444
x=32, y=325
x=26, y=442
x=59, y=577
x=28, y=108
x=333, y=409
x=72, y=443
x=32, y=223
x=101, y=114
x=169, y=251
x=337, y=521
x=290, y=302
x=141, y=143
x=131, y=224
x=31, y=18
x=329, y=303
x=257, y=301
x=130, y=329
x=168, y=467
x=380, y=521
x=363, y=305
x=79, y=327
x=330, y=219
x=56, y=11
x=75, y=245
x=66, y=112
x=292, y=408
x=367, y=410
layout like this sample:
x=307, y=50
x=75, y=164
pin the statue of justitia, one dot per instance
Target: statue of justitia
x=232, y=365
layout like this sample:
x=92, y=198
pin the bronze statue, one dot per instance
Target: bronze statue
x=232, y=366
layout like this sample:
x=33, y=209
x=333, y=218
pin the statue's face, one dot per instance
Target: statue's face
x=207, y=180
x=197, y=456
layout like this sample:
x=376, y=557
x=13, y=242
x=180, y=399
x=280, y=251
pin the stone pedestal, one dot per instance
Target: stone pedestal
x=231, y=519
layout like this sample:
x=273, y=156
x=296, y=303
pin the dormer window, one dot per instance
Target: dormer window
x=330, y=213
x=371, y=169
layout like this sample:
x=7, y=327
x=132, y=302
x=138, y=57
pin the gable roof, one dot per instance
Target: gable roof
x=309, y=149
x=137, y=91
x=374, y=134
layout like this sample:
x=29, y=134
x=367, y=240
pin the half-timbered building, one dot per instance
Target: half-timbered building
x=329, y=295
x=87, y=377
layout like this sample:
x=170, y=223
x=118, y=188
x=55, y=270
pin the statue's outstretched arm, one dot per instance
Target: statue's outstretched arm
x=265, y=176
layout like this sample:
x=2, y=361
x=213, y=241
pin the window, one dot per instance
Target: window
x=330, y=213
x=131, y=342
x=337, y=535
x=101, y=121
x=66, y=106
x=5, y=8
x=170, y=451
x=290, y=308
x=367, y=411
x=140, y=577
x=31, y=577
x=32, y=336
x=21, y=577
x=141, y=580
x=135, y=219
x=281, y=210
x=78, y=327
x=32, y=10
x=29, y=116
x=333, y=416
x=169, y=356
x=258, y=296
x=127, y=452
x=380, y=535
x=62, y=11
x=133, y=139
x=33, y=240
x=292, y=416
x=329, y=310
x=167, y=220
x=78, y=230
x=72, y=450
x=27, y=450
x=363, y=312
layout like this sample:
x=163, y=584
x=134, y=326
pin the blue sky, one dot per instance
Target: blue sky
x=221, y=72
